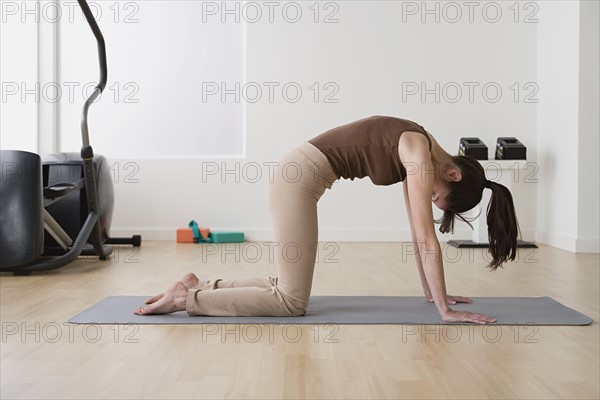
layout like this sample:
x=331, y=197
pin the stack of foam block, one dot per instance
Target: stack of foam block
x=186, y=235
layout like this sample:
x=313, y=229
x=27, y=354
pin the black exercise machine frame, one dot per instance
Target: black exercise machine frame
x=90, y=230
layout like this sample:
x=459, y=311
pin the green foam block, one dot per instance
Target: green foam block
x=227, y=237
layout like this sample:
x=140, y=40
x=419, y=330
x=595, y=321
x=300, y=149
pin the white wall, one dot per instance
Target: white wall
x=366, y=61
x=18, y=77
x=588, y=230
x=368, y=55
x=558, y=122
x=158, y=64
x=568, y=125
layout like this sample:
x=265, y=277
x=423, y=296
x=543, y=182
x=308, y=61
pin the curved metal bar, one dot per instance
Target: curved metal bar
x=103, y=69
x=85, y=136
x=100, y=39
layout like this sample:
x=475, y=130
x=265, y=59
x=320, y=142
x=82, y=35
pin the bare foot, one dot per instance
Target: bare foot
x=154, y=299
x=190, y=280
x=174, y=299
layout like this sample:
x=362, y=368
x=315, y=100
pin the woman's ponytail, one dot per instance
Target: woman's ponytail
x=503, y=228
x=465, y=194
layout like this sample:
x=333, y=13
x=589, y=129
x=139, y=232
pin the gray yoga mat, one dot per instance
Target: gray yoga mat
x=352, y=310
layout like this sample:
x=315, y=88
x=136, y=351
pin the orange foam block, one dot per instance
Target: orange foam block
x=185, y=235
x=204, y=232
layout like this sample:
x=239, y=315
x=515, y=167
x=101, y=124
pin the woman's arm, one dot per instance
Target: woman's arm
x=426, y=290
x=414, y=152
x=424, y=283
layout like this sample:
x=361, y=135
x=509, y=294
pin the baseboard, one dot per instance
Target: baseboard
x=588, y=245
x=583, y=245
x=160, y=234
x=574, y=245
x=559, y=241
x=325, y=235
x=168, y=234
x=260, y=235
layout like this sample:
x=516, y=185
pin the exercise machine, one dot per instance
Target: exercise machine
x=55, y=209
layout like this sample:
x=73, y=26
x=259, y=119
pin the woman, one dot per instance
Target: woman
x=387, y=150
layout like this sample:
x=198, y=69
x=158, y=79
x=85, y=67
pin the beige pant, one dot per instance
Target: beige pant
x=299, y=180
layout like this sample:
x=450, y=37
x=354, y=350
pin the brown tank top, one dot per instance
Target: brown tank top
x=367, y=147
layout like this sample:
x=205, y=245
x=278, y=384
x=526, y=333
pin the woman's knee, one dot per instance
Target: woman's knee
x=296, y=308
x=298, y=311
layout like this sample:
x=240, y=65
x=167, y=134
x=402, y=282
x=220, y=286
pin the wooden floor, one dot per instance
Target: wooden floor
x=44, y=357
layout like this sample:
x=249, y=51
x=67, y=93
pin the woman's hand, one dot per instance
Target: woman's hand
x=463, y=316
x=453, y=299
x=466, y=316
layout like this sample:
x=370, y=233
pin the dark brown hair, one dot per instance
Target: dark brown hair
x=464, y=195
